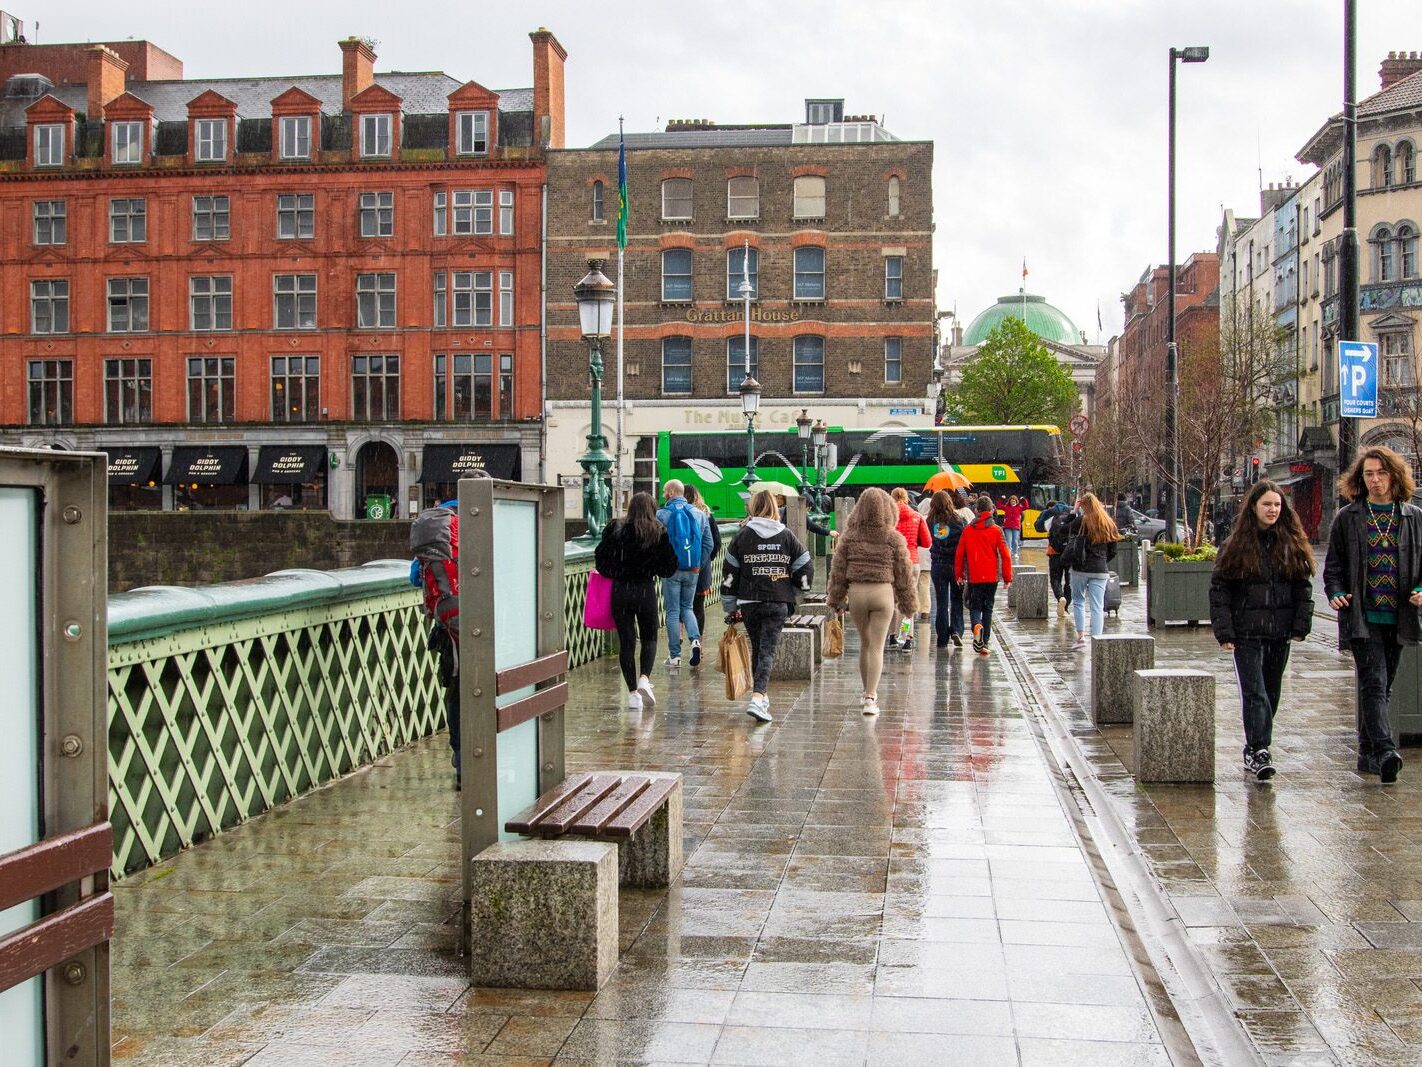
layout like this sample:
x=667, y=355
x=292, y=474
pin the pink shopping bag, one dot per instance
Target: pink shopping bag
x=597, y=611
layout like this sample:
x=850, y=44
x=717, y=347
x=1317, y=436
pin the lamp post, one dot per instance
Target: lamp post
x=819, y=436
x=1193, y=54
x=802, y=430
x=750, y=404
x=595, y=295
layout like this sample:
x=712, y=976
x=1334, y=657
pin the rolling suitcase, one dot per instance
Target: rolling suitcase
x=1113, y=592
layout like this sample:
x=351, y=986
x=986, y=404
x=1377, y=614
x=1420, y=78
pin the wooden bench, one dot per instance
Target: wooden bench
x=639, y=812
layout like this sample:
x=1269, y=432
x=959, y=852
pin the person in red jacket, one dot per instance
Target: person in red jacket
x=1012, y=524
x=982, y=557
x=914, y=530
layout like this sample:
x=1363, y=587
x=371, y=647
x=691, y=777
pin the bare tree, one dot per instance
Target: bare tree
x=1106, y=459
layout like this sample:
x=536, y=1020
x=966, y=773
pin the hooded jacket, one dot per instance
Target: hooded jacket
x=980, y=550
x=1270, y=606
x=765, y=563
x=914, y=530
x=944, y=552
x=871, y=550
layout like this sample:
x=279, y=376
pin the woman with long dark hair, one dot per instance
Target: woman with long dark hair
x=1090, y=548
x=1261, y=598
x=945, y=526
x=703, y=581
x=633, y=552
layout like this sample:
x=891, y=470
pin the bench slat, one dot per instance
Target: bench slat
x=570, y=810
x=523, y=822
x=596, y=817
x=640, y=810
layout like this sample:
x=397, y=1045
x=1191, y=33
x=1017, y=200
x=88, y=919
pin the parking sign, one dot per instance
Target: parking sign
x=1358, y=379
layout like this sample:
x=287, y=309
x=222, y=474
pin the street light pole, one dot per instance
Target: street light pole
x=1348, y=240
x=819, y=436
x=750, y=388
x=595, y=296
x=802, y=429
x=1194, y=54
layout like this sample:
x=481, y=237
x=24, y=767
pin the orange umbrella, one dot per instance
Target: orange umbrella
x=949, y=479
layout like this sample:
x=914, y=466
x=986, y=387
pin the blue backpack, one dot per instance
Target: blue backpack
x=685, y=534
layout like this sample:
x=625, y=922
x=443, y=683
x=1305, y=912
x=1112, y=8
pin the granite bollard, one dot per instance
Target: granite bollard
x=1018, y=569
x=1174, y=726
x=1115, y=658
x=544, y=914
x=1030, y=593
x=795, y=655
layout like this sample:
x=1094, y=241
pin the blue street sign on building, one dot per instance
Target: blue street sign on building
x=1357, y=379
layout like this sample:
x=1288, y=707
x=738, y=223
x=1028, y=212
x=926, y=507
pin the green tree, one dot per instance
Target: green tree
x=1012, y=380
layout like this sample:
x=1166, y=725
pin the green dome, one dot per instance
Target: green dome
x=1042, y=319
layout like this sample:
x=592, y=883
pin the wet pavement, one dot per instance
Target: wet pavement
x=949, y=883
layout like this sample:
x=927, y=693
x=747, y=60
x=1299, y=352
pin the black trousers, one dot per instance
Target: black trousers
x=947, y=607
x=1375, y=665
x=764, y=621
x=635, y=611
x=1259, y=666
x=1059, y=574
x=981, y=597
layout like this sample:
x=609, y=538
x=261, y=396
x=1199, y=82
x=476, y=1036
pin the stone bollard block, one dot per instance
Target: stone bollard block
x=1031, y=590
x=795, y=655
x=1115, y=658
x=1017, y=569
x=1174, y=725
x=544, y=914
x=652, y=856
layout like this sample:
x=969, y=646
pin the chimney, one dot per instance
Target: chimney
x=1399, y=65
x=548, y=59
x=357, y=69
x=105, y=77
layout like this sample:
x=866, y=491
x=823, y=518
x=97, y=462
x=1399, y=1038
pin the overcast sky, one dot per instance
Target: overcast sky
x=1048, y=116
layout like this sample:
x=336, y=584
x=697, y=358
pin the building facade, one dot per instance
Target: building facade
x=269, y=292
x=831, y=219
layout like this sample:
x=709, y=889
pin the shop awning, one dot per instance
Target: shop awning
x=134, y=466
x=289, y=464
x=204, y=465
x=449, y=463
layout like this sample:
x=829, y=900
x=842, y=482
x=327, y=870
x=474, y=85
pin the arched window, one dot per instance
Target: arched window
x=1406, y=163
x=1407, y=250
x=597, y=205
x=1383, y=257
x=809, y=197
x=743, y=198
x=1382, y=167
x=894, y=197
x=676, y=198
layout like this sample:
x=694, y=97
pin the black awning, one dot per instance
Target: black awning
x=134, y=466
x=289, y=464
x=203, y=465
x=449, y=463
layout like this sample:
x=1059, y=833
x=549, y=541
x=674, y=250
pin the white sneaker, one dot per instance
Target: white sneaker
x=634, y=701
x=1078, y=644
x=674, y=662
x=759, y=709
x=871, y=705
x=644, y=687
x=696, y=653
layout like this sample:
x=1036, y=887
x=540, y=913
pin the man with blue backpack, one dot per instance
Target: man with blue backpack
x=691, y=539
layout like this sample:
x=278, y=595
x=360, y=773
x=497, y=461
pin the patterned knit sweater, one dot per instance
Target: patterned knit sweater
x=1382, y=598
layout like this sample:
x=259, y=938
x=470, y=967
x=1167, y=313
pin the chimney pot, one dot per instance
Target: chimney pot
x=1398, y=65
x=106, y=79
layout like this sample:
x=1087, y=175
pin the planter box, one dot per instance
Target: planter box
x=1177, y=592
x=1127, y=563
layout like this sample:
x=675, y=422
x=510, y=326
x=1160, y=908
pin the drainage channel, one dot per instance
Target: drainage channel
x=1190, y=1010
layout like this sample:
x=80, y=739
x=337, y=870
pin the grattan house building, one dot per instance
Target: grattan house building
x=836, y=216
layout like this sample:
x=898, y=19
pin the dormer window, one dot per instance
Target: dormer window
x=210, y=140
x=296, y=137
x=49, y=146
x=126, y=142
x=473, y=133
x=375, y=135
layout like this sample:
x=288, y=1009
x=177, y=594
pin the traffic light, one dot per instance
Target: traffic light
x=1254, y=469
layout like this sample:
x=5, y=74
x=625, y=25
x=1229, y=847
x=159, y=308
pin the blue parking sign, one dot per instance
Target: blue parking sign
x=1357, y=379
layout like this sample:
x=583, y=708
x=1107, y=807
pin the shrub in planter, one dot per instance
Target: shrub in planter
x=1178, y=583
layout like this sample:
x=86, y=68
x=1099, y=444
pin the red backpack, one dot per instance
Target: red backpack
x=434, y=541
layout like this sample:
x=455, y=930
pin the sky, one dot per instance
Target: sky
x=1048, y=117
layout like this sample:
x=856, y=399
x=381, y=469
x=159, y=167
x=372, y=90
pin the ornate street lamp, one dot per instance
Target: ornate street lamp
x=802, y=429
x=595, y=295
x=819, y=437
x=750, y=404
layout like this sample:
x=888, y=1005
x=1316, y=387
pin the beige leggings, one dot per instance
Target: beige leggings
x=871, y=605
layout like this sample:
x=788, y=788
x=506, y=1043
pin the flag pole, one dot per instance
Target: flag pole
x=618, y=492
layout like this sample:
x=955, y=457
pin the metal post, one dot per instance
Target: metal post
x=1348, y=242
x=1172, y=383
x=750, y=450
x=595, y=461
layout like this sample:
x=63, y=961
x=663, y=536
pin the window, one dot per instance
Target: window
x=809, y=273
x=441, y=298
x=1303, y=275
x=809, y=373
x=506, y=386
x=1398, y=368
x=1384, y=261
x=506, y=298
x=128, y=221
x=506, y=212
x=893, y=277
x=377, y=214
x=210, y=137
x=676, y=199
x=597, y=204
x=809, y=197
x=441, y=214
x=736, y=361
x=211, y=395
x=893, y=360
x=126, y=142
x=375, y=301
x=50, y=222
x=294, y=305
x=676, y=366
x=210, y=302
x=49, y=306
x=454, y=385
x=893, y=197
x=743, y=198
x=296, y=388
x=1407, y=250
x=1406, y=163
x=49, y=146
x=296, y=216
x=375, y=388
x=473, y=133
x=676, y=275
x=473, y=213
x=735, y=273
x=296, y=137
x=128, y=305
x=128, y=391
x=212, y=218
x=473, y=297
x=1382, y=167
x=51, y=391
x=375, y=135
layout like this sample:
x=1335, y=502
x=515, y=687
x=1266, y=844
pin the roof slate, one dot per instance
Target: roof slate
x=1404, y=94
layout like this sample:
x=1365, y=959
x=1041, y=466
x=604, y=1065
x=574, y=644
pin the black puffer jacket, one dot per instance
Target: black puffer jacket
x=1099, y=554
x=944, y=550
x=1269, y=607
x=623, y=558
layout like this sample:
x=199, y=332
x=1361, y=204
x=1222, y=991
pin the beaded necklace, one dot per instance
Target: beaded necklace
x=1383, y=533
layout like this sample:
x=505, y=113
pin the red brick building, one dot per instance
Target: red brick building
x=265, y=290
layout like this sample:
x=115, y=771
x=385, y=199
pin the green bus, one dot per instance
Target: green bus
x=998, y=460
